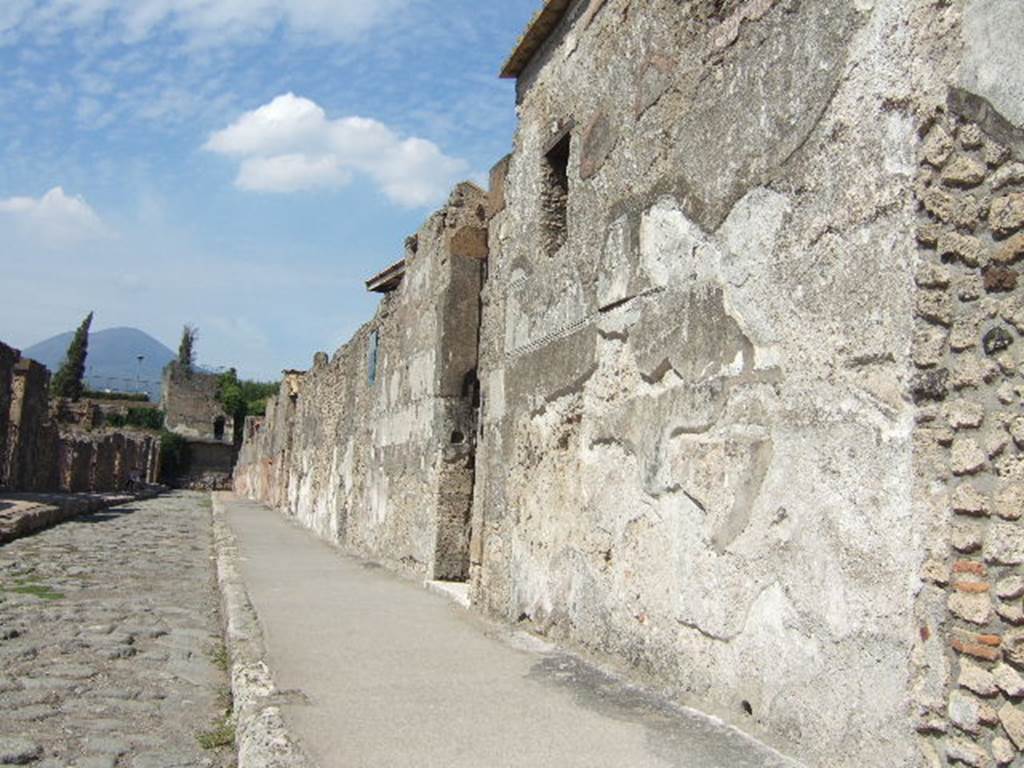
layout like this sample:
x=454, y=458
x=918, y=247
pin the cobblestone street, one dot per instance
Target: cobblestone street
x=110, y=650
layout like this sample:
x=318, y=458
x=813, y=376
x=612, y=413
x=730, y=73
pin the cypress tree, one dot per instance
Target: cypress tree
x=186, y=350
x=68, y=381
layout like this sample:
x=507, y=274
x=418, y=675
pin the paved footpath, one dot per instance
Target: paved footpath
x=383, y=673
x=108, y=640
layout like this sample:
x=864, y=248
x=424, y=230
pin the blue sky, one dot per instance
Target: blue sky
x=241, y=165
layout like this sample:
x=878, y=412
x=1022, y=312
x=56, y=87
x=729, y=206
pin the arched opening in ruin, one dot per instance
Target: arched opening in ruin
x=218, y=428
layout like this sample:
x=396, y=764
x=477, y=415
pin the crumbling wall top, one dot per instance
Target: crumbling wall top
x=544, y=22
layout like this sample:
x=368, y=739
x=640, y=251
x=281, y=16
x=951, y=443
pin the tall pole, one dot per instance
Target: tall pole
x=138, y=373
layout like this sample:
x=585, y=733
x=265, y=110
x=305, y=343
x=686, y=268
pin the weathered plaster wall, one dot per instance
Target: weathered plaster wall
x=383, y=464
x=190, y=406
x=696, y=454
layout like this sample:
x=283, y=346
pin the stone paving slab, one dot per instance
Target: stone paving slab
x=110, y=652
x=25, y=513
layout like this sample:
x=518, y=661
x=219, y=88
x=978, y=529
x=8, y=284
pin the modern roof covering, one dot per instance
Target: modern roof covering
x=537, y=32
x=387, y=280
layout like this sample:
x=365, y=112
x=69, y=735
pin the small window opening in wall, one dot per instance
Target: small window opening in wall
x=218, y=428
x=555, y=202
x=371, y=357
x=458, y=438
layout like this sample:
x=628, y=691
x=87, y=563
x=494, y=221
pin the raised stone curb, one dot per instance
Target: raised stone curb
x=261, y=736
x=23, y=514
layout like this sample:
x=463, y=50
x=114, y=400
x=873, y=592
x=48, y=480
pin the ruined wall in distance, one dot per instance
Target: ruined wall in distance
x=31, y=459
x=190, y=406
x=374, y=450
x=41, y=456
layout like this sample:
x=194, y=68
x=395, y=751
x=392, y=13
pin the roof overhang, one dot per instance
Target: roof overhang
x=387, y=280
x=536, y=34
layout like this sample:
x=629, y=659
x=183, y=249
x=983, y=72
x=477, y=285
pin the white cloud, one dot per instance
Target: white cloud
x=290, y=144
x=206, y=22
x=290, y=173
x=53, y=220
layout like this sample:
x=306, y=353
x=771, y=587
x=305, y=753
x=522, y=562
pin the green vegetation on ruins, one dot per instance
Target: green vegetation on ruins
x=141, y=418
x=131, y=397
x=174, y=454
x=242, y=398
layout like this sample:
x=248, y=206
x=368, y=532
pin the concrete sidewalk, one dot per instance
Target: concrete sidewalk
x=380, y=672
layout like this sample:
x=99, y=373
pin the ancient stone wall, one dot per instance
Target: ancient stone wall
x=8, y=358
x=190, y=406
x=696, y=453
x=91, y=413
x=750, y=422
x=31, y=463
x=105, y=461
x=40, y=456
x=968, y=351
x=209, y=466
x=373, y=448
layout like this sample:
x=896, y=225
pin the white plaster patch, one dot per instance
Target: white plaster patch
x=616, y=270
x=673, y=248
x=749, y=234
x=494, y=395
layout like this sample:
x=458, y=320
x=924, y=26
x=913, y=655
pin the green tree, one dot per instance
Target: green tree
x=68, y=381
x=229, y=394
x=242, y=398
x=186, y=350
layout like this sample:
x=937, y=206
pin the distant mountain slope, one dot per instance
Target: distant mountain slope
x=112, y=362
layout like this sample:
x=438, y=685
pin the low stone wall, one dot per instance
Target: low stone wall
x=113, y=461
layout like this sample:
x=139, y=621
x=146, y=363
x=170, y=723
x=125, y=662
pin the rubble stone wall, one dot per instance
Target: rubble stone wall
x=969, y=441
x=373, y=449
